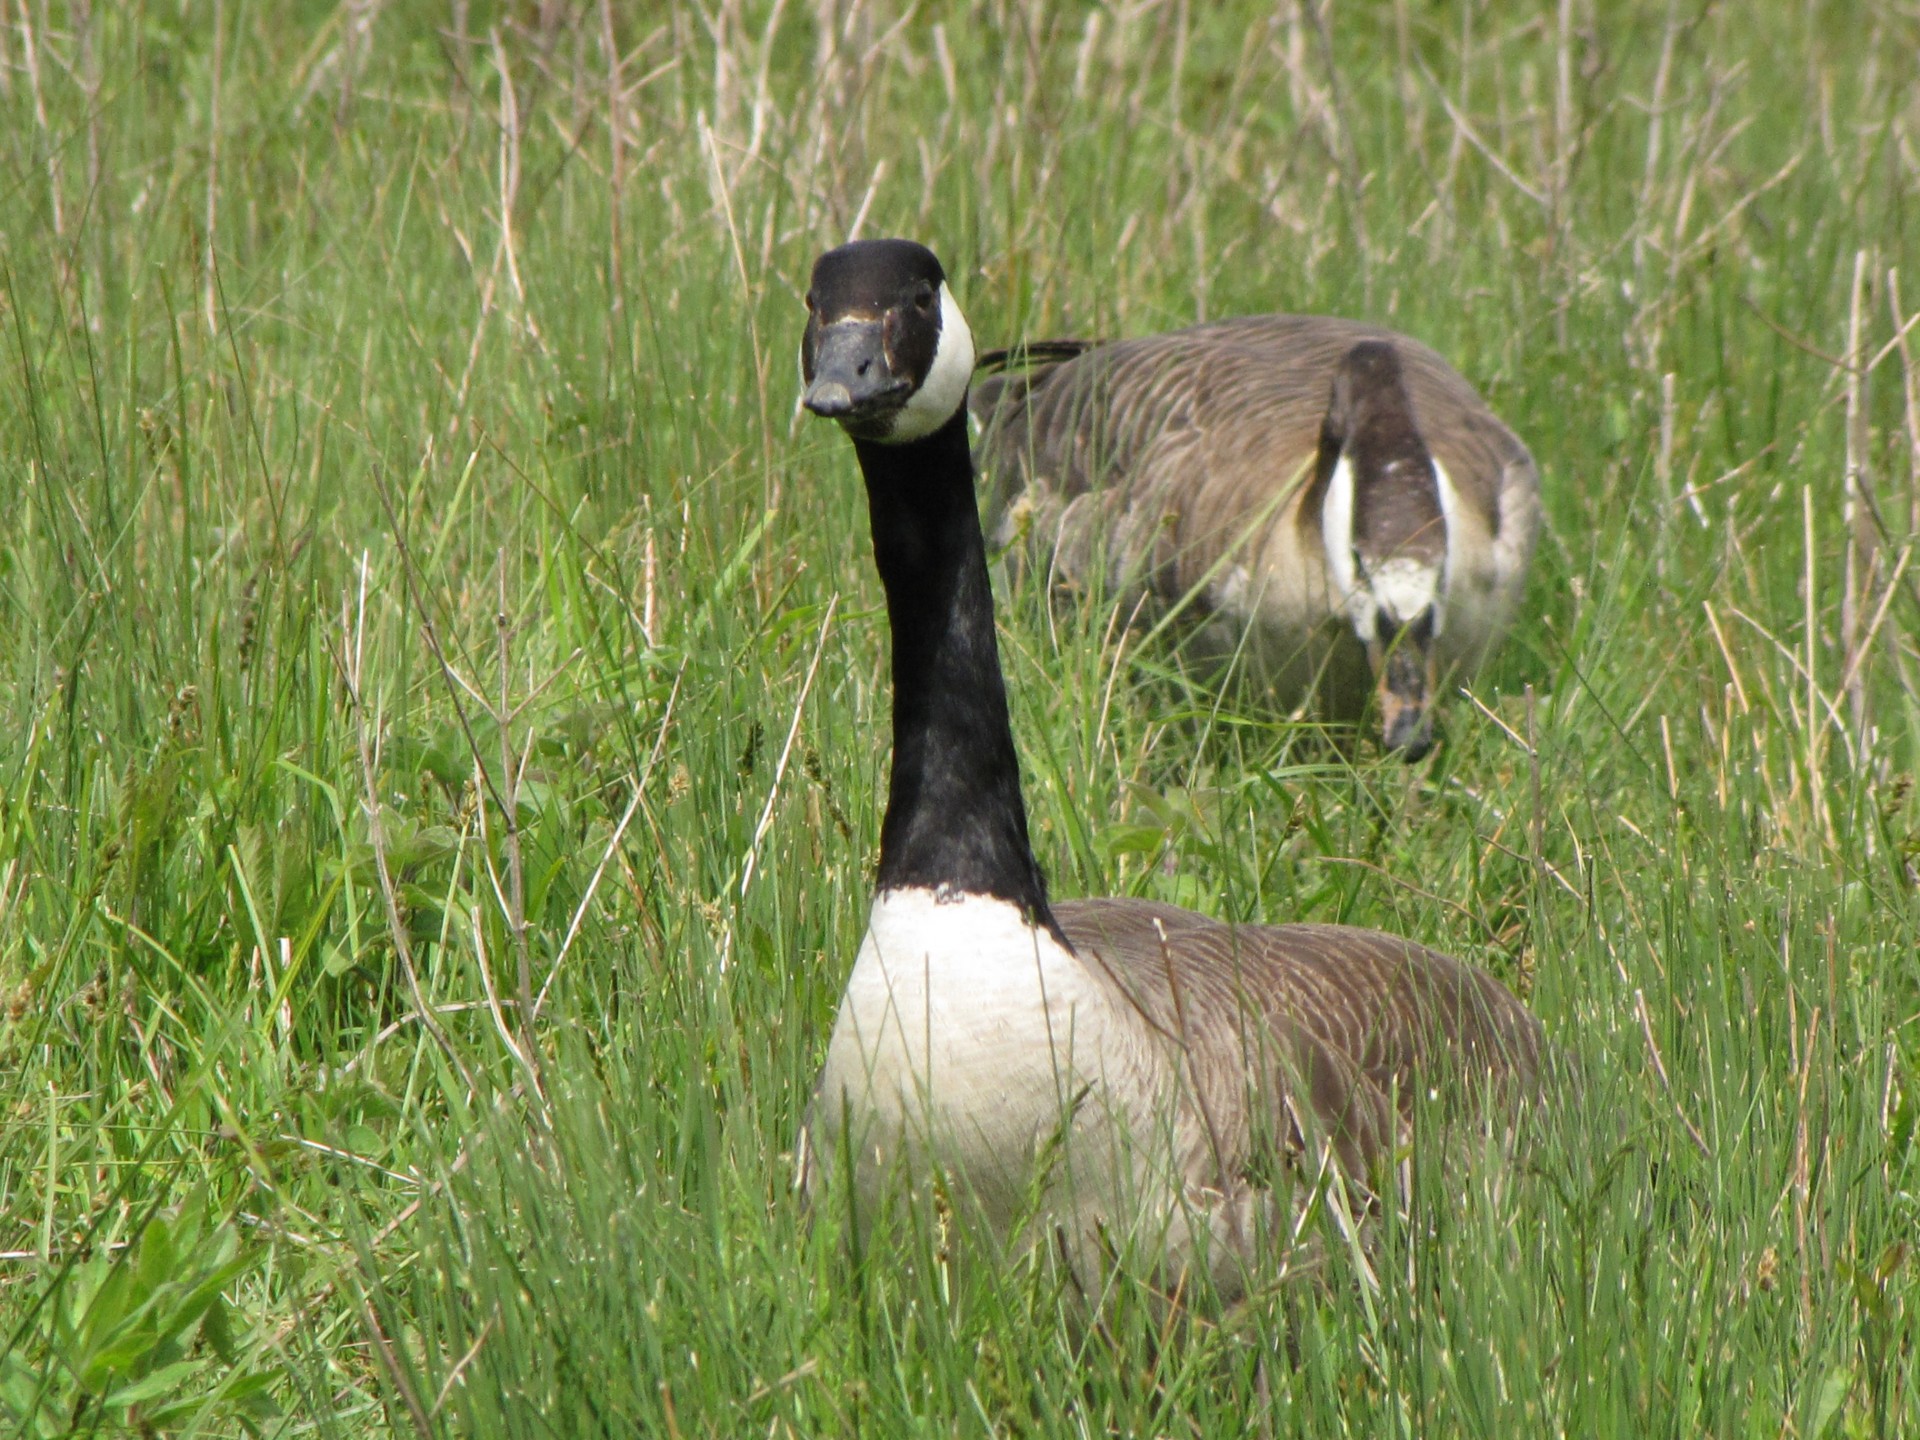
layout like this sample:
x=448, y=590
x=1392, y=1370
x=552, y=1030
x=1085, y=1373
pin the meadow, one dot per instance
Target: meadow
x=445, y=723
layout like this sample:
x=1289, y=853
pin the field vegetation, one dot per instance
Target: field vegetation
x=445, y=714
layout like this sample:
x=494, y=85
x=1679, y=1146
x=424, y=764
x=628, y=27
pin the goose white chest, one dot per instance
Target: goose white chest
x=969, y=1041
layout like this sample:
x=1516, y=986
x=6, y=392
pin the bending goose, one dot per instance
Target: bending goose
x=1330, y=497
x=1117, y=1072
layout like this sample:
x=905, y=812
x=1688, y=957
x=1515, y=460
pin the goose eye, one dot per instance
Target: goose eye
x=923, y=298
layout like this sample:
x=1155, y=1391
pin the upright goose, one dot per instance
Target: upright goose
x=1331, y=499
x=1124, y=1074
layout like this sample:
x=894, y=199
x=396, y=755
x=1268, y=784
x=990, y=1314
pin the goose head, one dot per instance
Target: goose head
x=1384, y=525
x=887, y=352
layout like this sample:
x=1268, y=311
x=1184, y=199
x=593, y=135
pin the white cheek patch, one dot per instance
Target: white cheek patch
x=1449, y=502
x=1450, y=515
x=1400, y=587
x=1336, y=534
x=1403, y=588
x=944, y=390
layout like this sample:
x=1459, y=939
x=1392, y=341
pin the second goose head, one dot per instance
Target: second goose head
x=887, y=352
x=1384, y=525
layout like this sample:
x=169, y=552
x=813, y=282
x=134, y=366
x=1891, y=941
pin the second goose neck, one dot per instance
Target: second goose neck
x=955, y=821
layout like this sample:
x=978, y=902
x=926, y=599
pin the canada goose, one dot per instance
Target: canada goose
x=1150, y=1074
x=1334, y=498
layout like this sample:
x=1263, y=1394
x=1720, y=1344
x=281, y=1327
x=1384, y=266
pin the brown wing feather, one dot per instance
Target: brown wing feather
x=1341, y=1022
x=1198, y=429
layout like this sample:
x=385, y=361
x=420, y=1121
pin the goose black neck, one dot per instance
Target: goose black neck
x=955, y=821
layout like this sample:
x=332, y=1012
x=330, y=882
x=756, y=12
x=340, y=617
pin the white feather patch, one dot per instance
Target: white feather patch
x=1450, y=514
x=960, y=1025
x=1336, y=533
x=1449, y=501
x=945, y=388
x=952, y=962
x=1403, y=588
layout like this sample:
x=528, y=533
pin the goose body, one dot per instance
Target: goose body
x=1331, y=500
x=1103, y=1073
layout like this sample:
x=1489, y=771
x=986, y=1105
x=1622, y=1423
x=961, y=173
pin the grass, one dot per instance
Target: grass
x=445, y=705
